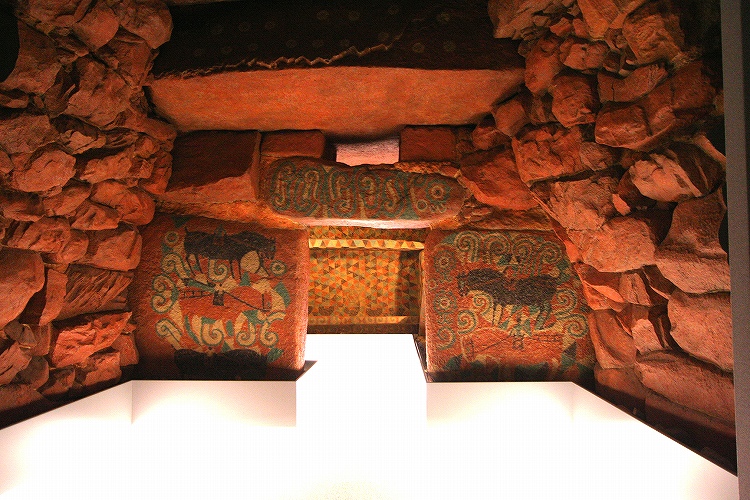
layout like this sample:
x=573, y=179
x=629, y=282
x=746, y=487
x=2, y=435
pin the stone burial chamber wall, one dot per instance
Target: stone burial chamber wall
x=80, y=159
x=573, y=233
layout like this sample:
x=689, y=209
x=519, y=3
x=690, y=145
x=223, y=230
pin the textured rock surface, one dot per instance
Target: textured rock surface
x=632, y=87
x=548, y=151
x=80, y=338
x=632, y=240
x=691, y=256
x=689, y=383
x=117, y=249
x=427, y=144
x=493, y=179
x=92, y=290
x=702, y=326
x=21, y=276
x=585, y=204
x=613, y=345
x=284, y=144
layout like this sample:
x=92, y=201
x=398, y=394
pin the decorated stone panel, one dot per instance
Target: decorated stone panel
x=325, y=193
x=216, y=299
x=504, y=305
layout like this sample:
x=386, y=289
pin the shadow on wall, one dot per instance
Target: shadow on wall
x=9, y=43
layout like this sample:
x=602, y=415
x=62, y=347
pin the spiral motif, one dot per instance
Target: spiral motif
x=498, y=247
x=217, y=271
x=576, y=326
x=549, y=253
x=481, y=302
x=444, y=302
x=246, y=338
x=369, y=186
x=268, y=337
x=166, y=329
x=444, y=262
x=173, y=263
x=211, y=334
x=171, y=239
x=166, y=295
x=447, y=337
x=467, y=322
x=564, y=301
x=344, y=202
x=469, y=243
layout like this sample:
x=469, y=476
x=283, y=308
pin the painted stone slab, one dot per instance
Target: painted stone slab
x=216, y=299
x=504, y=305
x=328, y=194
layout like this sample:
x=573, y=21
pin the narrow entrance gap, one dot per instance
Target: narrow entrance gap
x=365, y=280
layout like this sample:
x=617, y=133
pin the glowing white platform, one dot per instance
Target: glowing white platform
x=360, y=424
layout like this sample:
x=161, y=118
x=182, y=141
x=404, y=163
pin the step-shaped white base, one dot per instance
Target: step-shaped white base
x=361, y=423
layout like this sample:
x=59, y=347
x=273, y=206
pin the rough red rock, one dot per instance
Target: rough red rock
x=99, y=371
x=614, y=347
x=543, y=64
x=260, y=278
x=632, y=87
x=689, y=383
x=691, y=255
x=309, y=143
x=65, y=202
x=47, y=235
x=621, y=387
x=81, y=337
x=59, y=382
x=540, y=110
x=92, y=290
x=35, y=374
x=98, y=25
x=91, y=216
x=702, y=326
x=512, y=115
x=649, y=328
x=487, y=136
x=672, y=106
x=547, y=151
x=43, y=336
x=600, y=289
x=13, y=359
x=427, y=144
x=130, y=56
x=21, y=276
x=46, y=304
x=101, y=94
x=683, y=171
x=628, y=198
x=634, y=289
x=24, y=132
x=493, y=179
x=99, y=166
x=600, y=15
x=133, y=205
x=582, y=55
x=125, y=345
x=149, y=19
x=157, y=183
x=49, y=168
x=653, y=32
x=585, y=204
x=73, y=250
x=21, y=206
x=118, y=249
x=597, y=156
x=76, y=137
x=514, y=19
x=36, y=65
x=214, y=167
x=622, y=244
x=13, y=99
x=21, y=334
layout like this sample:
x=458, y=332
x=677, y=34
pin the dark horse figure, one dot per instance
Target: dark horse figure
x=532, y=291
x=221, y=246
